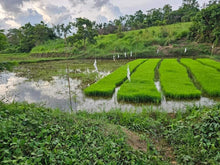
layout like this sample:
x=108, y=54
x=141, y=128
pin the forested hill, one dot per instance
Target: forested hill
x=160, y=31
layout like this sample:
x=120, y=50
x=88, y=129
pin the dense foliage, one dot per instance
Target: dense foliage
x=192, y=133
x=3, y=40
x=206, y=26
x=28, y=36
x=36, y=135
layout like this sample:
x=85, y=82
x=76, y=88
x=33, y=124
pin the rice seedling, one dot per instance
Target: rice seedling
x=209, y=62
x=107, y=85
x=207, y=78
x=141, y=88
x=175, y=82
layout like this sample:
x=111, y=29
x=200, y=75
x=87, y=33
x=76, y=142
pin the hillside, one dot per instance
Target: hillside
x=170, y=40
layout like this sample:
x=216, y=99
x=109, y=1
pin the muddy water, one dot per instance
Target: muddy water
x=47, y=84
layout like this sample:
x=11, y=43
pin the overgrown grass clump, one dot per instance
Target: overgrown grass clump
x=141, y=88
x=175, y=81
x=107, y=85
x=207, y=78
x=36, y=135
x=209, y=62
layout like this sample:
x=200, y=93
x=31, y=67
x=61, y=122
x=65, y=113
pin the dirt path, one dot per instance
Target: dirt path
x=161, y=145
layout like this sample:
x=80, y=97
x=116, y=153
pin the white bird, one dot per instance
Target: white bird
x=128, y=74
x=185, y=50
x=158, y=51
x=125, y=54
x=131, y=54
x=95, y=65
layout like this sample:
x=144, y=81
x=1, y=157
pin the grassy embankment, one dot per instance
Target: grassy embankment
x=175, y=82
x=143, y=43
x=107, y=85
x=36, y=135
x=141, y=88
x=207, y=78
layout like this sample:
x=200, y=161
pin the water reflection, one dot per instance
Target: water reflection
x=55, y=94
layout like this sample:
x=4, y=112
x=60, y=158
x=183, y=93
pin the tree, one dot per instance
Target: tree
x=3, y=40
x=64, y=30
x=206, y=25
x=86, y=31
x=43, y=33
x=167, y=10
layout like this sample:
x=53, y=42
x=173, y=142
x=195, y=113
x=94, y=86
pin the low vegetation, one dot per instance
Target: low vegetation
x=141, y=88
x=31, y=134
x=107, y=85
x=207, y=78
x=36, y=135
x=175, y=81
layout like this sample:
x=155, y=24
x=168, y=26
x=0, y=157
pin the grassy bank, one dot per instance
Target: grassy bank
x=31, y=134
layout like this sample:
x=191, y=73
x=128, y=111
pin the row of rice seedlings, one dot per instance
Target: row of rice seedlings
x=175, y=81
x=207, y=78
x=209, y=62
x=107, y=85
x=141, y=88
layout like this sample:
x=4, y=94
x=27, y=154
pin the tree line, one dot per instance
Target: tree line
x=206, y=27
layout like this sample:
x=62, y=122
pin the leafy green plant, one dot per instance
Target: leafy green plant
x=36, y=135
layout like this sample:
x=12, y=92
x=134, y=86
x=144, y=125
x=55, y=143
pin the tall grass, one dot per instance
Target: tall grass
x=209, y=62
x=107, y=85
x=175, y=82
x=141, y=88
x=206, y=77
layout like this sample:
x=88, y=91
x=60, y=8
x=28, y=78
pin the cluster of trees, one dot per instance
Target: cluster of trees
x=206, y=24
x=153, y=17
x=28, y=36
x=206, y=27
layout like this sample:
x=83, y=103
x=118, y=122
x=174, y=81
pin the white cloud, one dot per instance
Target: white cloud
x=18, y=12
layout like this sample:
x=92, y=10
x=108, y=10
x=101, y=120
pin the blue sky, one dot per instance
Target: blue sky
x=14, y=13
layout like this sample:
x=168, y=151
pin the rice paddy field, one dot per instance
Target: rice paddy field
x=107, y=85
x=175, y=81
x=141, y=88
x=206, y=77
x=209, y=62
x=184, y=79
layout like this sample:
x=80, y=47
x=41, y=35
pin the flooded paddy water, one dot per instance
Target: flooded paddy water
x=60, y=84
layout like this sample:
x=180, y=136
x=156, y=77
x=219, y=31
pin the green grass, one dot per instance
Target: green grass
x=207, y=78
x=141, y=88
x=209, y=62
x=107, y=85
x=175, y=81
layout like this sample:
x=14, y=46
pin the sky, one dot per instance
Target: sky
x=15, y=13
